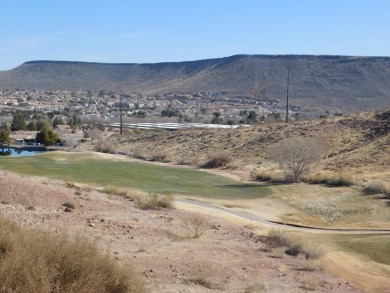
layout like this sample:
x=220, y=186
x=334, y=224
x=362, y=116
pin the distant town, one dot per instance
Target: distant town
x=104, y=107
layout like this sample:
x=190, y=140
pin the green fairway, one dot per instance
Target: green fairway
x=376, y=247
x=92, y=169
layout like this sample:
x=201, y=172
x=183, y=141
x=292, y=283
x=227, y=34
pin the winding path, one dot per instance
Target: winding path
x=298, y=227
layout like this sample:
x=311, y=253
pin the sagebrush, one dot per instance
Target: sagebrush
x=32, y=261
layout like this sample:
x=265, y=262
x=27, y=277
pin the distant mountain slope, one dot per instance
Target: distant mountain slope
x=353, y=83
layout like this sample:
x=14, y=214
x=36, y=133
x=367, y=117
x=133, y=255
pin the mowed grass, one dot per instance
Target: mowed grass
x=90, y=168
x=376, y=247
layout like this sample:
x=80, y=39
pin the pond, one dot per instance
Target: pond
x=18, y=153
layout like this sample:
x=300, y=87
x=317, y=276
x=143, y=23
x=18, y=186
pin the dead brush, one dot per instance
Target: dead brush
x=160, y=156
x=377, y=186
x=105, y=147
x=155, y=201
x=30, y=259
x=218, y=160
x=197, y=225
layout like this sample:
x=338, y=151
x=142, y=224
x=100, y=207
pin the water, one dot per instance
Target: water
x=19, y=153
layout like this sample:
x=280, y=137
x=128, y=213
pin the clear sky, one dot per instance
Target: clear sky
x=148, y=31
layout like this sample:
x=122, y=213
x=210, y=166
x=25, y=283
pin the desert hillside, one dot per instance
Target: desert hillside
x=332, y=82
x=356, y=145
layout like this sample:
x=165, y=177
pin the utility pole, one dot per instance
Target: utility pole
x=288, y=84
x=120, y=113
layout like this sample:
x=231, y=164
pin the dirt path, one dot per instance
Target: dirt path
x=262, y=221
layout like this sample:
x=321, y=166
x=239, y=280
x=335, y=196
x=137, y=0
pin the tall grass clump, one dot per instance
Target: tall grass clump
x=32, y=261
x=111, y=190
x=155, y=201
x=331, y=181
x=377, y=186
x=276, y=178
x=340, y=180
x=160, y=156
x=104, y=146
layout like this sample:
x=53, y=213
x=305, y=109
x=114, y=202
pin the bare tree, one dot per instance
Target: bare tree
x=197, y=224
x=296, y=155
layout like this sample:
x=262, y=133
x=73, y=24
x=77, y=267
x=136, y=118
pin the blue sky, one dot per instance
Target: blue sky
x=148, y=31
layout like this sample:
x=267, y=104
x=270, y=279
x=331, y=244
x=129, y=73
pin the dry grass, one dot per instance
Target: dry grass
x=111, y=190
x=70, y=184
x=160, y=156
x=331, y=181
x=376, y=187
x=201, y=276
x=155, y=201
x=30, y=259
x=256, y=288
x=105, y=147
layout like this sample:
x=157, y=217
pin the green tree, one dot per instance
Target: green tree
x=217, y=119
x=252, y=116
x=57, y=121
x=19, y=121
x=32, y=126
x=47, y=137
x=4, y=138
x=42, y=124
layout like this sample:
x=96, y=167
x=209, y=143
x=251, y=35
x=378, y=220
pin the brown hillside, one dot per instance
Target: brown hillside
x=331, y=82
x=357, y=144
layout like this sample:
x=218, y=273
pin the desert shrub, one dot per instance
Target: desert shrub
x=197, y=225
x=310, y=265
x=31, y=260
x=296, y=248
x=111, y=190
x=139, y=153
x=69, y=205
x=338, y=181
x=317, y=179
x=105, y=147
x=218, y=160
x=293, y=246
x=295, y=155
x=70, y=184
x=155, y=201
x=281, y=178
x=202, y=275
x=263, y=177
x=332, y=181
x=278, y=252
x=160, y=156
x=376, y=187
x=278, y=238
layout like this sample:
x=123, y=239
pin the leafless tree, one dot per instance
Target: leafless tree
x=296, y=155
x=197, y=224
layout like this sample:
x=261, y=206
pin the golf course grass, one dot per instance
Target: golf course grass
x=376, y=247
x=90, y=168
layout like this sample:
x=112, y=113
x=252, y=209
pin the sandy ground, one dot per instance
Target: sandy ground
x=229, y=257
